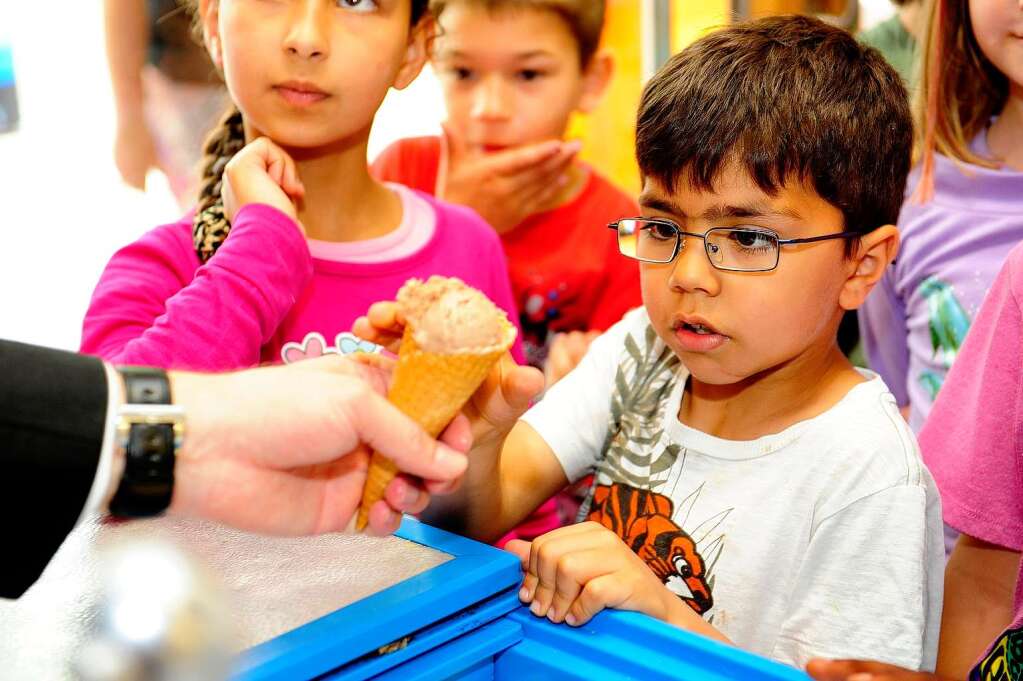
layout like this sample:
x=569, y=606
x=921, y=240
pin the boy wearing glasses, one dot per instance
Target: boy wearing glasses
x=750, y=484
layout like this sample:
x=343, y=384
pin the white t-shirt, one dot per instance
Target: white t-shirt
x=823, y=540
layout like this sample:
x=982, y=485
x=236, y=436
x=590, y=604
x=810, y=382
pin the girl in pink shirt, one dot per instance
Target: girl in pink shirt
x=292, y=239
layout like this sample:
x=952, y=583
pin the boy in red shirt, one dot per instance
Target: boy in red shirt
x=513, y=72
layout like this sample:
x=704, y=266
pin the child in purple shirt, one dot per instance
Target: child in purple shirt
x=914, y=322
x=962, y=212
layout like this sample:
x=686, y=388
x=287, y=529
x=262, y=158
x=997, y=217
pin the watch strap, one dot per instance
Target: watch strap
x=149, y=432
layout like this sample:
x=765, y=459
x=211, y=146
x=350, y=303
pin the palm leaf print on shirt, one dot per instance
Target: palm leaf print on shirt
x=948, y=322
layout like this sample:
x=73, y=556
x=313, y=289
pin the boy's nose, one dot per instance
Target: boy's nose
x=490, y=101
x=692, y=270
x=306, y=37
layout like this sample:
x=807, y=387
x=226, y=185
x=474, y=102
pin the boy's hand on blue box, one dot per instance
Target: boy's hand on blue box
x=574, y=572
x=858, y=670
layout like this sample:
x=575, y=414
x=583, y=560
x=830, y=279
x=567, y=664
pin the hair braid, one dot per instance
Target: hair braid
x=211, y=226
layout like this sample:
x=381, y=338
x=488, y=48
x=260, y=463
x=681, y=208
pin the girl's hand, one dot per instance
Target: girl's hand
x=383, y=324
x=575, y=572
x=262, y=172
x=856, y=670
x=501, y=399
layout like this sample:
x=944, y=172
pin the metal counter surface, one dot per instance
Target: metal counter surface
x=272, y=585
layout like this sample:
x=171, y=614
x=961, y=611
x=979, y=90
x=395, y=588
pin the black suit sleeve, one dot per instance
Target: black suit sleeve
x=53, y=409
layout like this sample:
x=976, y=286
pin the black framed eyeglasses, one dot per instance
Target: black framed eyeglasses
x=743, y=248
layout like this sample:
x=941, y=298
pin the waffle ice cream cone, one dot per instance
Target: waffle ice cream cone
x=453, y=337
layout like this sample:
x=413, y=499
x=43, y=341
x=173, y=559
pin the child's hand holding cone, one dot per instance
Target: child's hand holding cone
x=452, y=340
x=497, y=404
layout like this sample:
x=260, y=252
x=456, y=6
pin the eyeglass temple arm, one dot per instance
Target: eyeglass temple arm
x=811, y=239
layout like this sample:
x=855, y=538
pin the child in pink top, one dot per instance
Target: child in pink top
x=292, y=239
x=269, y=295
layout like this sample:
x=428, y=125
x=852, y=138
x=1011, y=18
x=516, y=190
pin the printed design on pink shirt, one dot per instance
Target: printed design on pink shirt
x=315, y=345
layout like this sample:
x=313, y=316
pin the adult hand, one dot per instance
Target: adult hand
x=497, y=404
x=262, y=172
x=858, y=670
x=574, y=572
x=567, y=350
x=285, y=450
x=508, y=186
x=134, y=151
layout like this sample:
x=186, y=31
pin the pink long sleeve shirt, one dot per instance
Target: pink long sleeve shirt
x=263, y=298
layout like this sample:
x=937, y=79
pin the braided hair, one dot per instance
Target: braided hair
x=210, y=226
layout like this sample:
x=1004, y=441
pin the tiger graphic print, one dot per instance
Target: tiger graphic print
x=643, y=521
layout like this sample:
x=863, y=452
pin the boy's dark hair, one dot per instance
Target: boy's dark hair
x=786, y=99
x=585, y=18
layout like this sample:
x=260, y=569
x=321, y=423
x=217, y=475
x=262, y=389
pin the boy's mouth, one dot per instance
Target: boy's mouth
x=698, y=328
x=696, y=335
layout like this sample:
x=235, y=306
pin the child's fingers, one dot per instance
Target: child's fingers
x=365, y=329
x=520, y=385
x=520, y=548
x=513, y=162
x=557, y=556
x=504, y=396
x=602, y=592
x=542, y=177
x=843, y=670
x=292, y=184
x=275, y=169
x=539, y=193
x=386, y=316
x=575, y=570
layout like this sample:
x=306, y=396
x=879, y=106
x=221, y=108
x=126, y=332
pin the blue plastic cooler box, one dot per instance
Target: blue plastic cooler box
x=462, y=620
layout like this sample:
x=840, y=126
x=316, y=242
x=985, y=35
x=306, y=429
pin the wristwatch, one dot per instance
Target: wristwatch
x=150, y=431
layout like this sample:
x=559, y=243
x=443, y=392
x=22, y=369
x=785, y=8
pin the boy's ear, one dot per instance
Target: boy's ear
x=596, y=77
x=876, y=250
x=209, y=15
x=420, y=41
